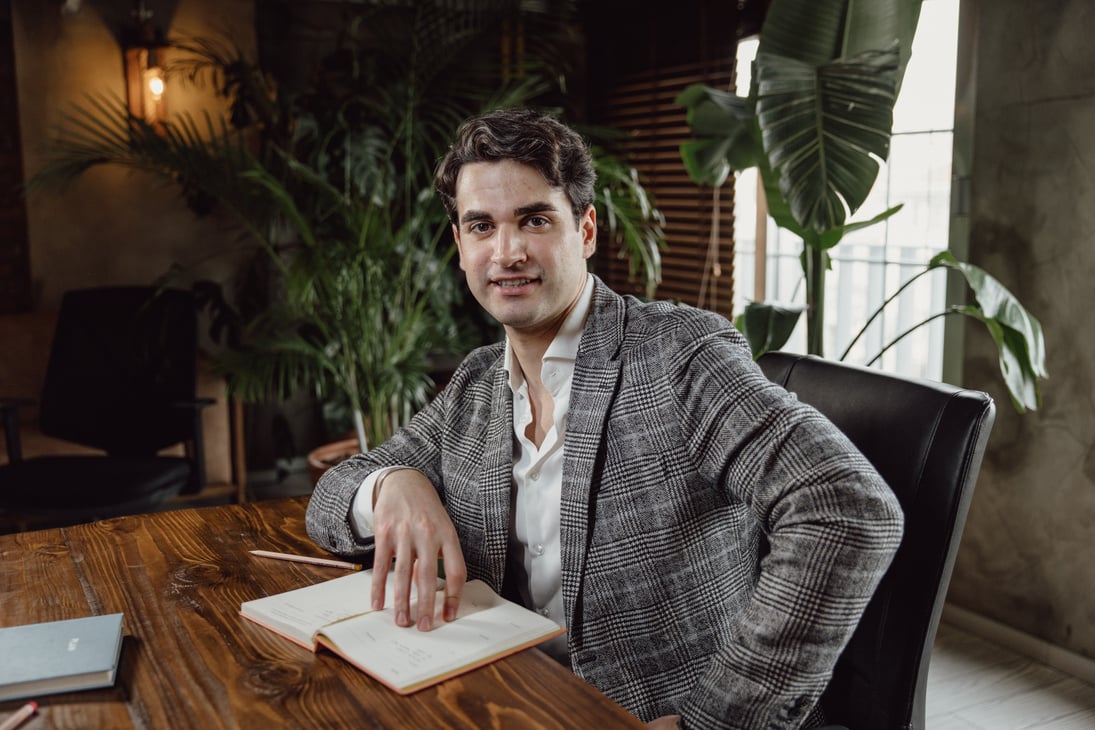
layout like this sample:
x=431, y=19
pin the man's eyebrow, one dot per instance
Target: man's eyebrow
x=474, y=215
x=534, y=208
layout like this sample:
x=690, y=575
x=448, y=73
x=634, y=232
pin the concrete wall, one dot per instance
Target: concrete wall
x=1028, y=555
x=113, y=226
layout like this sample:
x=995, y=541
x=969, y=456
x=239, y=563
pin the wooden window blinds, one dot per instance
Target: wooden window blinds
x=698, y=261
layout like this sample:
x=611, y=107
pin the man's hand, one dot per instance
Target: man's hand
x=411, y=525
x=665, y=722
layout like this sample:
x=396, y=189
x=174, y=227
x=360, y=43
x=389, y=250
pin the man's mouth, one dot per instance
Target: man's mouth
x=513, y=283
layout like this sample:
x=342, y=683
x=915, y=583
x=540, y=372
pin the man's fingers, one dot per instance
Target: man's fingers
x=426, y=585
x=412, y=529
x=456, y=573
x=401, y=584
x=382, y=559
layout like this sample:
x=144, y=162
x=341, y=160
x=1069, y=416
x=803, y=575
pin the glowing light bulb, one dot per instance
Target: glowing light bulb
x=154, y=82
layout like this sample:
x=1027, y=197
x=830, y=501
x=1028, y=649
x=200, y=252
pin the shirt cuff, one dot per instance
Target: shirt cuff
x=361, y=511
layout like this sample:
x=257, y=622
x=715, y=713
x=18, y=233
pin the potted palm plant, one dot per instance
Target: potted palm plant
x=332, y=184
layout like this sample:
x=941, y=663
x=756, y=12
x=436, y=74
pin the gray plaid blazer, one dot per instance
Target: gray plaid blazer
x=720, y=540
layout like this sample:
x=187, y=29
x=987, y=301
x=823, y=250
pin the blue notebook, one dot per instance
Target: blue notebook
x=59, y=656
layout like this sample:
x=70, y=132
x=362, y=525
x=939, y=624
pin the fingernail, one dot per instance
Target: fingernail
x=401, y=619
x=424, y=623
x=450, y=613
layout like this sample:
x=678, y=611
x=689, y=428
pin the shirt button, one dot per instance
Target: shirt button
x=537, y=549
x=534, y=475
x=542, y=611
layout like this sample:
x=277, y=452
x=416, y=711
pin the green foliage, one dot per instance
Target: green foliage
x=1016, y=332
x=350, y=286
x=629, y=218
x=767, y=325
x=817, y=122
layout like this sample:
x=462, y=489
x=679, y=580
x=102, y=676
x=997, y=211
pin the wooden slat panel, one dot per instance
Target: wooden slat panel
x=643, y=105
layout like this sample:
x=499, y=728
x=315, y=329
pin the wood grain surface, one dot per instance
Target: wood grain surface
x=190, y=660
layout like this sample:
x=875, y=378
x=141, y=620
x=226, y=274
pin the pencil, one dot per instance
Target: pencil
x=21, y=715
x=305, y=559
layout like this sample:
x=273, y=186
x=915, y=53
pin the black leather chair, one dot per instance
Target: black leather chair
x=927, y=440
x=121, y=378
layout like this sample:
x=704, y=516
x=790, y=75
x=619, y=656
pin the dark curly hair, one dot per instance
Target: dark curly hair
x=544, y=143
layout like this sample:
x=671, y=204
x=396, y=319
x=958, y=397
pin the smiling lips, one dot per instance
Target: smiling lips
x=512, y=283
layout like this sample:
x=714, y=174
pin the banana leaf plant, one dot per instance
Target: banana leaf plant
x=816, y=124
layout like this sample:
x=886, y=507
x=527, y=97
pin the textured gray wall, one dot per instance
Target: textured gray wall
x=112, y=226
x=1028, y=555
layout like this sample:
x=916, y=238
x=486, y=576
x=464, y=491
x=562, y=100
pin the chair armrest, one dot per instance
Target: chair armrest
x=9, y=414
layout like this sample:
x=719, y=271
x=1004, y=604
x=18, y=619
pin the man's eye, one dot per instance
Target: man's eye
x=479, y=227
x=537, y=221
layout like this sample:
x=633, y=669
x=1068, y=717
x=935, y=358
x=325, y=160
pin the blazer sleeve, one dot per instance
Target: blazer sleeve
x=832, y=527
x=328, y=519
x=450, y=424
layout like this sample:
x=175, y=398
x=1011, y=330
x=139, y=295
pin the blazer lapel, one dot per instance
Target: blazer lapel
x=496, y=479
x=596, y=377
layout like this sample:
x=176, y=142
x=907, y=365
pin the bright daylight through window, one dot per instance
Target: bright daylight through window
x=870, y=264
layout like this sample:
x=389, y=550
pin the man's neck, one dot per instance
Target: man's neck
x=529, y=347
x=529, y=356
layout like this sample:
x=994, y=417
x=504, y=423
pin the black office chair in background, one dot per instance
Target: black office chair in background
x=121, y=378
x=927, y=440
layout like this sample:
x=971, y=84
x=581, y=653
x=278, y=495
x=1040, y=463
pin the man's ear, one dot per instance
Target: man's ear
x=587, y=225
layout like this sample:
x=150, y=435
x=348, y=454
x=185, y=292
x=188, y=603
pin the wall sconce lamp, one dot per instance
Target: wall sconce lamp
x=144, y=71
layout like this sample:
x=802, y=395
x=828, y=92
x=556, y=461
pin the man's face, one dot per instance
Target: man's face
x=523, y=255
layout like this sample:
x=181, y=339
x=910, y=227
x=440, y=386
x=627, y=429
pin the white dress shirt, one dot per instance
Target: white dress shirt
x=537, y=474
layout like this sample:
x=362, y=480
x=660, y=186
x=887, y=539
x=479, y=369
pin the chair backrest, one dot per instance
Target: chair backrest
x=927, y=440
x=120, y=358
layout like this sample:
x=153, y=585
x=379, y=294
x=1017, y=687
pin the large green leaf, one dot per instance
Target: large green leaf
x=832, y=69
x=818, y=31
x=727, y=139
x=824, y=129
x=809, y=31
x=726, y=131
x=1017, y=332
x=767, y=325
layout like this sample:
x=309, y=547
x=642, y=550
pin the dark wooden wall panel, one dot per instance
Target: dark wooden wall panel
x=15, y=288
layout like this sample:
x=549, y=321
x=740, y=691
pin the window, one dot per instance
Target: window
x=869, y=265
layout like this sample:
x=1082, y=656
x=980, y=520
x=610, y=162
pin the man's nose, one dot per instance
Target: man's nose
x=509, y=248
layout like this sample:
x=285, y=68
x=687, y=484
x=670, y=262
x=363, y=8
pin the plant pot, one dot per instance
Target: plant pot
x=322, y=458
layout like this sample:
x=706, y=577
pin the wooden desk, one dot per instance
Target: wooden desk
x=190, y=660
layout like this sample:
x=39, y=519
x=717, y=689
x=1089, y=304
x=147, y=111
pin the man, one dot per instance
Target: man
x=625, y=468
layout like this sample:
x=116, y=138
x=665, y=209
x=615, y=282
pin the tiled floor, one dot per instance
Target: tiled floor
x=976, y=685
